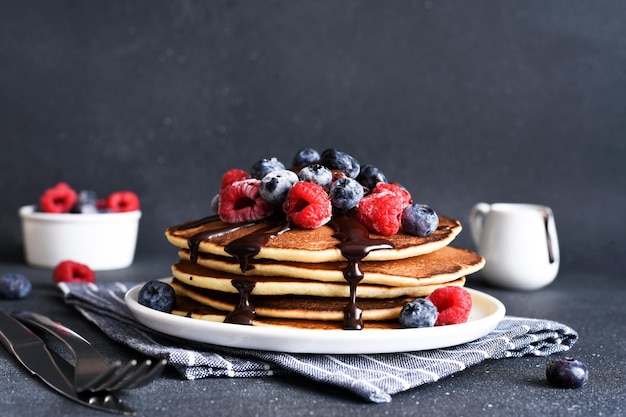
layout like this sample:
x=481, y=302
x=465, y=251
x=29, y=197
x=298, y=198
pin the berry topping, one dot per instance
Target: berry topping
x=336, y=159
x=419, y=220
x=380, y=212
x=567, y=373
x=316, y=173
x=86, y=203
x=305, y=156
x=420, y=312
x=58, y=199
x=265, y=166
x=276, y=184
x=307, y=205
x=122, y=201
x=14, y=286
x=233, y=175
x=453, y=304
x=157, y=295
x=242, y=202
x=369, y=176
x=346, y=193
x=73, y=272
x=401, y=192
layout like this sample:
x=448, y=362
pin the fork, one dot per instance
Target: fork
x=91, y=372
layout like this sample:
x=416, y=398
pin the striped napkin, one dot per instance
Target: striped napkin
x=374, y=377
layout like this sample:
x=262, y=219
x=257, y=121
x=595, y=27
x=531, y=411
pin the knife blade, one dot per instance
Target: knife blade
x=31, y=351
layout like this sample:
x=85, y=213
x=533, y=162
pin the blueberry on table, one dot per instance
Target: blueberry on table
x=567, y=373
x=14, y=286
x=157, y=295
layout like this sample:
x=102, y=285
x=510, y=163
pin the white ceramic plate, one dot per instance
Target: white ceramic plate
x=486, y=313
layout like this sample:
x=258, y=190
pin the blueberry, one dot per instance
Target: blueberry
x=420, y=312
x=265, y=166
x=369, y=176
x=305, y=156
x=345, y=193
x=276, y=184
x=14, y=286
x=419, y=220
x=567, y=373
x=336, y=159
x=86, y=202
x=316, y=173
x=157, y=295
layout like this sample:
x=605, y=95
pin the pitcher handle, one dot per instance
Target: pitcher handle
x=476, y=219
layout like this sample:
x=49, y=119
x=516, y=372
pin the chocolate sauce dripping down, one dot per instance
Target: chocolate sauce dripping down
x=244, y=313
x=355, y=245
x=194, y=241
x=247, y=247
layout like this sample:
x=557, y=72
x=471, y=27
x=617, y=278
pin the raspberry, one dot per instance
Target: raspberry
x=381, y=212
x=73, y=272
x=58, y=199
x=401, y=192
x=241, y=202
x=122, y=201
x=307, y=205
x=453, y=304
x=233, y=175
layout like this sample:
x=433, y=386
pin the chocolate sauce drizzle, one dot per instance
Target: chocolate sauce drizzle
x=247, y=247
x=244, y=313
x=355, y=244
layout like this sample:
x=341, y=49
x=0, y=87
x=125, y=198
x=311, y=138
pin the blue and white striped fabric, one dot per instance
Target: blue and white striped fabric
x=374, y=377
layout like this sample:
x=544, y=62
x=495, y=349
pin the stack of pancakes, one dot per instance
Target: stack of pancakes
x=338, y=276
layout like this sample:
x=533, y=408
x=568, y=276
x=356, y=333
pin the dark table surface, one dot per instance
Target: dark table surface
x=590, y=303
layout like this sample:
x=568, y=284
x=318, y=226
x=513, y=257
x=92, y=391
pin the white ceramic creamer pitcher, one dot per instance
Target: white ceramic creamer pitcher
x=519, y=243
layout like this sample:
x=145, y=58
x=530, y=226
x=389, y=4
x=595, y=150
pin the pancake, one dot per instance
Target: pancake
x=201, y=277
x=210, y=235
x=187, y=307
x=445, y=264
x=299, y=307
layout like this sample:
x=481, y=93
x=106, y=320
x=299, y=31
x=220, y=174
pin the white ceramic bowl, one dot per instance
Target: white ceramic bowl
x=103, y=241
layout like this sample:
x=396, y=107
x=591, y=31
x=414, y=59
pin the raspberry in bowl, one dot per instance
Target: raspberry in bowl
x=66, y=225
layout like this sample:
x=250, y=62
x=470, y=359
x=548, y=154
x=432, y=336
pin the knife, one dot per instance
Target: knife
x=32, y=352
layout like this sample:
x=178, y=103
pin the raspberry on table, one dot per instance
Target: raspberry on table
x=233, y=175
x=73, y=272
x=58, y=199
x=453, y=304
x=242, y=202
x=307, y=205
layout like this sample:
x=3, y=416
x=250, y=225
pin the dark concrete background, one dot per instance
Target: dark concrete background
x=459, y=101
